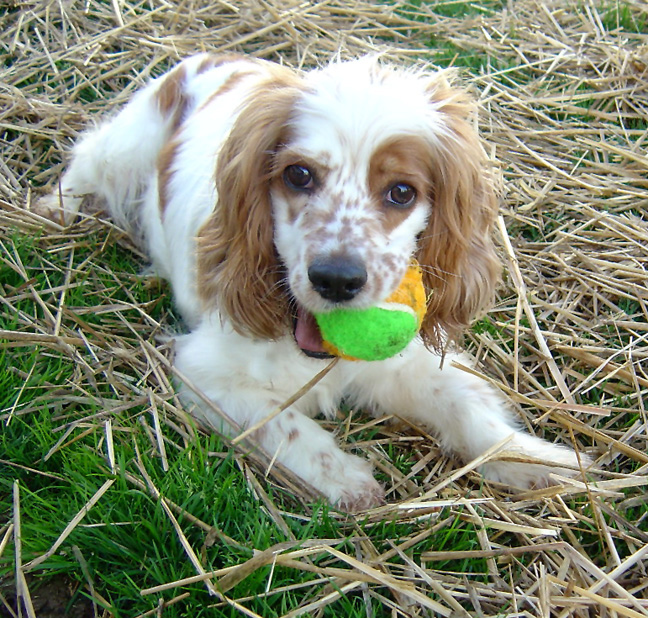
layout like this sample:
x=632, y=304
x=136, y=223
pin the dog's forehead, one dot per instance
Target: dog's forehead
x=346, y=112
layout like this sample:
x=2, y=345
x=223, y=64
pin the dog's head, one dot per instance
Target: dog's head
x=330, y=182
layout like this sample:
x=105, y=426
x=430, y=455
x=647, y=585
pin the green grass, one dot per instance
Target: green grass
x=127, y=539
x=55, y=398
x=423, y=10
x=621, y=17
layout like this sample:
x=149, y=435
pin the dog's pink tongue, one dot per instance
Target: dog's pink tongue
x=307, y=333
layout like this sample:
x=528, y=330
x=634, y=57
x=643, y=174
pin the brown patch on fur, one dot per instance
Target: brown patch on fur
x=325, y=461
x=293, y=434
x=172, y=101
x=216, y=60
x=164, y=163
x=390, y=261
x=227, y=86
x=238, y=269
x=171, y=96
x=460, y=266
x=323, y=218
x=399, y=160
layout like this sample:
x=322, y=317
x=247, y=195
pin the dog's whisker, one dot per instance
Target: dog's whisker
x=437, y=272
x=427, y=237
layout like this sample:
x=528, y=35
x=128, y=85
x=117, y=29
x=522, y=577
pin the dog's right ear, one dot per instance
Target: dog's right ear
x=238, y=268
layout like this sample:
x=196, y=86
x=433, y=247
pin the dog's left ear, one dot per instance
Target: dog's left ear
x=238, y=269
x=460, y=266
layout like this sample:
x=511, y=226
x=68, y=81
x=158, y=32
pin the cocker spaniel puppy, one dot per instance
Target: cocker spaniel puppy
x=264, y=195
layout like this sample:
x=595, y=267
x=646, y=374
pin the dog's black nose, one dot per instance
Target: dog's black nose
x=337, y=278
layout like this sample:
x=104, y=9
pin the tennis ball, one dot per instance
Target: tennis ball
x=381, y=331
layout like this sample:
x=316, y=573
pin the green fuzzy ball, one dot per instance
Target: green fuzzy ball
x=371, y=334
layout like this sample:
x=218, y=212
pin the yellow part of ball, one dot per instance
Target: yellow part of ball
x=411, y=291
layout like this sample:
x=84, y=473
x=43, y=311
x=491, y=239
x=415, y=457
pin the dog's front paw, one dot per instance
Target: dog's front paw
x=49, y=206
x=349, y=483
x=56, y=207
x=556, y=459
x=362, y=498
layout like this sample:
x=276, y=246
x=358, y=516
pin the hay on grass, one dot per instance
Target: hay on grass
x=564, y=94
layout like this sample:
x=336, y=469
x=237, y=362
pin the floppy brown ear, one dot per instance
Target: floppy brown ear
x=238, y=269
x=460, y=266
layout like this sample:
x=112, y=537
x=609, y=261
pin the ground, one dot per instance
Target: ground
x=106, y=486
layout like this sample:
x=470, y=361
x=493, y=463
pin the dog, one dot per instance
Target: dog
x=265, y=195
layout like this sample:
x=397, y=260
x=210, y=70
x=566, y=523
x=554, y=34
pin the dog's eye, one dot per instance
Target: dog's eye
x=401, y=195
x=298, y=177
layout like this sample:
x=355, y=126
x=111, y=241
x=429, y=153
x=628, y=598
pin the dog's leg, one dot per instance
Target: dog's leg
x=111, y=162
x=312, y=453
x=248, y=379
x=467, y=415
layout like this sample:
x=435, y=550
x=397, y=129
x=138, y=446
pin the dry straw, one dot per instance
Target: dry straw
x=564, y=113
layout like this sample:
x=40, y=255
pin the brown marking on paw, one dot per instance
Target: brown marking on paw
x=370, y=497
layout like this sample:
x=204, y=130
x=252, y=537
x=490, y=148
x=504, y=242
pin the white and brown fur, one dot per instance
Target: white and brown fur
x=200, y=167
